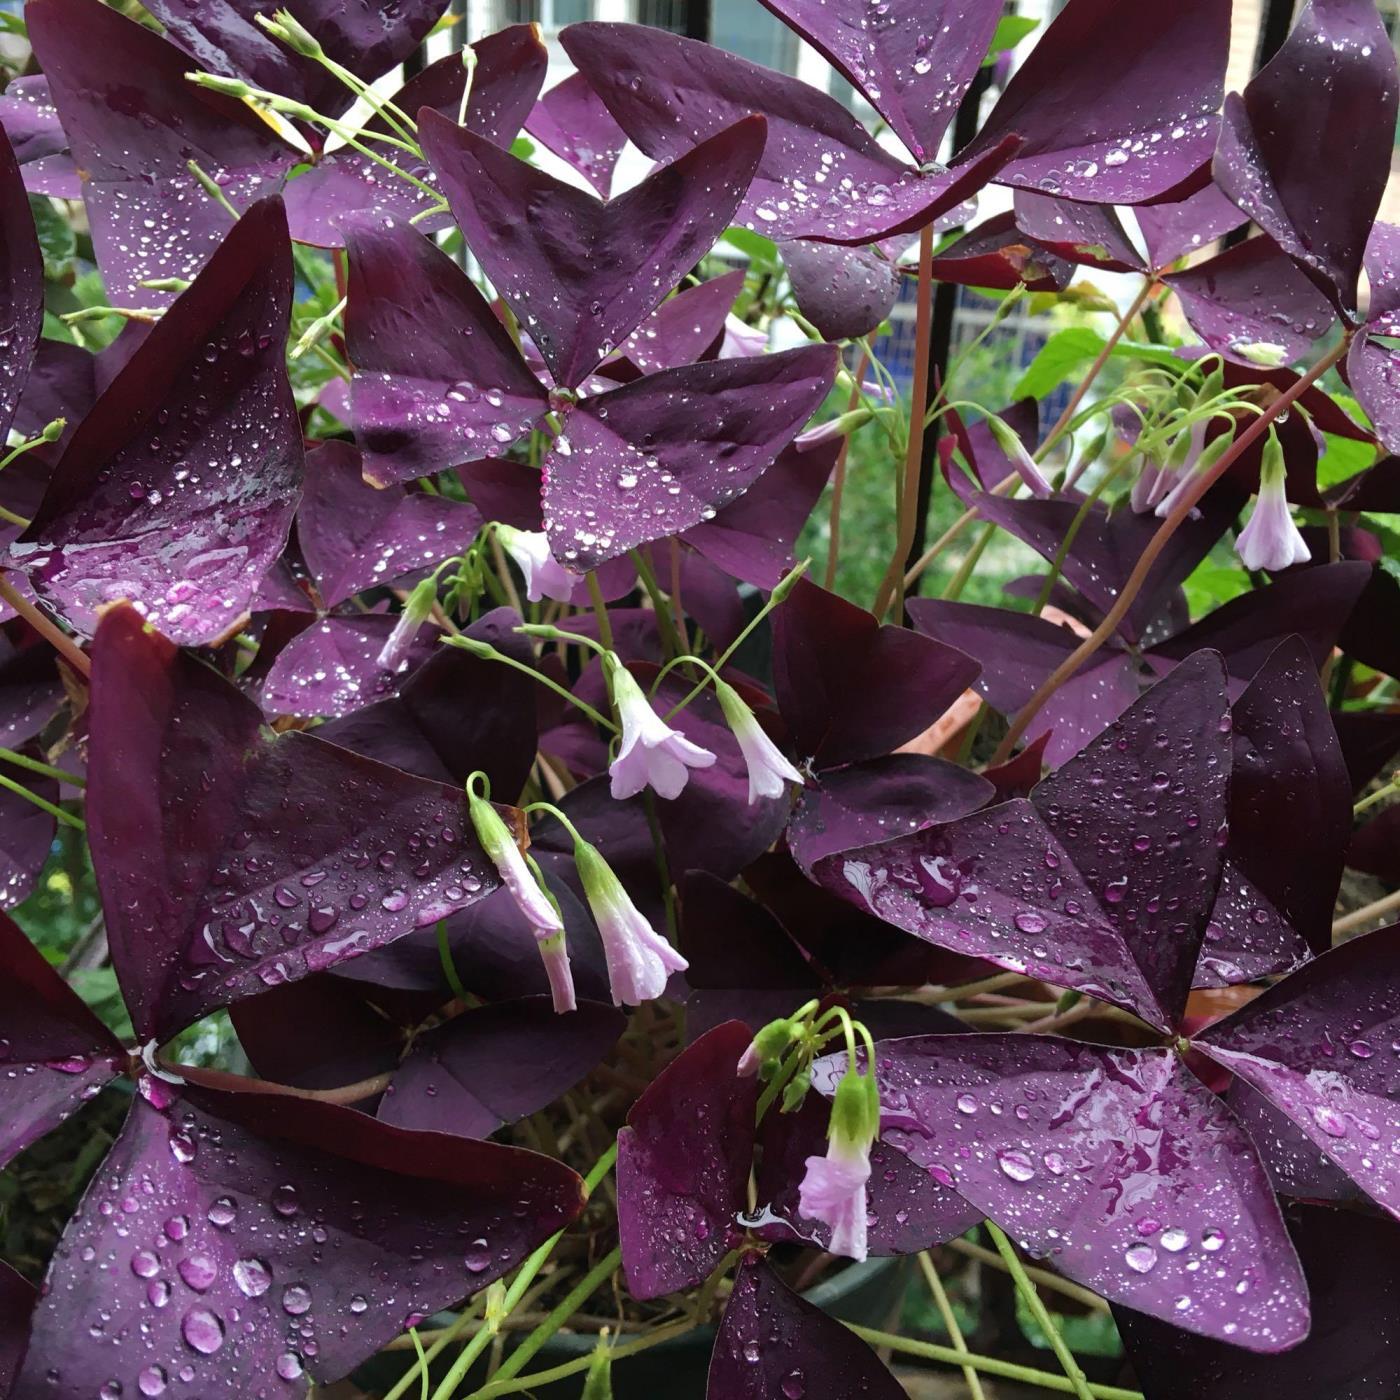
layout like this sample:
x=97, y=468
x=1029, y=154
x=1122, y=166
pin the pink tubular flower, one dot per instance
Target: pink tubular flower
x=640, y=961
x=545, y=576
x=1270, y=540
x=833, y=1191
x=415, y=612
x=652, y=754
x=741, y=340
x=1022, y=460
x=769, y=771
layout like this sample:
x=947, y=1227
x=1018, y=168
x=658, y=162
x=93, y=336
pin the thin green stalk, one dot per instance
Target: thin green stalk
x=958, y=582
x=663, y=868
x=1364, y=805
x=1057, y=564
x=664, y=621
x=523, y=1279
x=539, y=676
x=21, y=760
x=449, y=967
x=444, y=1339
x=1040, y=1312
x=989, y=1365
x=600, y=611
x=67, y=818
x=945, y=1311
x=560, y=1314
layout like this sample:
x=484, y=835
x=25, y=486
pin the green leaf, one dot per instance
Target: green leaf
x=1213, y=585
x=1011, y=29
x=1068, y=350
x=760, y=251
x=598, y=1386
x=1344, y=458
x=56, y=240
x=522, y=148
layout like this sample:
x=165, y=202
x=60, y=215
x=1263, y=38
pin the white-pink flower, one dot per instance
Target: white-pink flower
x=1271, y=541
x=545, y=576
x=1026, y=466
x=741, y=340
x=833, y=1191
x=769, y=771
x=640, y=962
x=651, y=753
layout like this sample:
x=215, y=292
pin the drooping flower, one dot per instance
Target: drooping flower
x=769, y=771
x=1154, y=482
x=741, y=340
x=833, y=1190
x=530, y=898
x=652, y=754
x=640, y=960
x=415, y=612
x=545, y=576
x=1015, y=449
x=1270, y=541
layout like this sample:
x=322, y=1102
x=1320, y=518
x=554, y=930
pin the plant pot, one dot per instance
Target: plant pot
x=865, y=1293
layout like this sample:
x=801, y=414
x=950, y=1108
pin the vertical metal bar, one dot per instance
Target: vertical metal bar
x=698, y=18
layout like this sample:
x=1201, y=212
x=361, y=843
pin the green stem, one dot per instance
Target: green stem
x=1040, y=1312
x=970, y=561
x=67, y=818
x=1057, y=564
x=989, y=1365
x=1364, y=805
x=449, y=967
x=950, y=1322
x=664, y=621
x=21, y=760
x=547, y=681
x=560, y=1314
x=600, y=611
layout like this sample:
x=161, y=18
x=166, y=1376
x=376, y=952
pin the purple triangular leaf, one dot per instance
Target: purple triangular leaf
x=1105, y=120
x=1293, y=1162
x=1051, y=1140
x=1373, y=370
x=275, y=1240
x=30, y=120
x=497, y=1064
x=1319, y=1047
x=56, y=1053
x=252, y=861
x=425, y=729
x=354, y=537
x=510, y=66
x=1249, y=296
x=1088, y=234
x=571, y=120
x=843, y=292
x=997, y=255
x=26, y=832
x=581, y=273
x=17, y=1297
x=771, y=1342
x=666, y=452
x=683, y=1165
x=686, y=327
x=224, y=37
x=1103, y=880
x=21, y=287
x=437, y=380
x=333, y=669
x=177, y=490
x=1191, y=225
x=1305, y=152
x=820, y=641
x=1290, y=817
x=150, y=217
x=1352, y=1264
x=62, y=384
x=822, y=174
x=912, y=59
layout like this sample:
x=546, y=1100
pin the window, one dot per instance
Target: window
x=746, y=28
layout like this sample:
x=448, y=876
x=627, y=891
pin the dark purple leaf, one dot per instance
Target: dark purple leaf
x=177, y=490
x=1017, y=776
x=1320, y=1047
x=132, y=141
x=1352, y=1264
x=276, y=1240
x=55, y=1053
x=224, y=37
x=771, y=1343
x=332, y=668
x=17, y=1298
x=1103, y=880
x=843, y=292
x=426, y=729
x=1191, y=225
x=1305, y=152
x=30, y=120
x=1290, y=818
x=571, y=120
x=438, y=380
x=62, y=384
x=667, y=452
x=1104, y=118
x=510, y=66
x=988, y=460
x=754, y=537
x=354, y=537
x=1375, y=848
x=1089, y=234
x=21, y=287
x=1373, y=369
x=497, y=1064
x=26, y=833
x=1294, y=1164
x=1376, y=489
x=683, y=329
x=1252, y=295
x=997, y=255
x=253, y=860
x=30, y=691
x=865, y=803
x=683, y=1165
x=1118, y=1166
x=820, y=642
x=822, y=174
x=579, y=272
